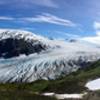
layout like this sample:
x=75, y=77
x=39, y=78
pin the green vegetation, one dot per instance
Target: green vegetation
x=73, y=83
x=22, y=95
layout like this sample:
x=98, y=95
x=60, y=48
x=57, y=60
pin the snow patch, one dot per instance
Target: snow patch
x=93, y=85
x=65, y=96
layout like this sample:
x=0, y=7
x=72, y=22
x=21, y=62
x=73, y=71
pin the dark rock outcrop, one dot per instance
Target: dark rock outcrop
x=14, y=47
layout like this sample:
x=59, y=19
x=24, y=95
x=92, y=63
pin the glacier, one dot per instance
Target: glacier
x=58, y=59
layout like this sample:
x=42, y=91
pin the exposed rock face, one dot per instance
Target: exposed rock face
x=14, y=47
x=30, y=57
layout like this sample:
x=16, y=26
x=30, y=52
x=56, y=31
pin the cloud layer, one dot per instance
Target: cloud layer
x=7, y=18
x=48, y=18
x=28, y=3
x=94, y=39
x=43, y=18
x=48, y=3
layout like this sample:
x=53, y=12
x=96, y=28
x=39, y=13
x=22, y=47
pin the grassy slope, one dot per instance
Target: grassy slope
x=73, y=83
x=22, y=95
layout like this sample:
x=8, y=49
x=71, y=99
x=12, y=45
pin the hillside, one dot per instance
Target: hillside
x=73, y=83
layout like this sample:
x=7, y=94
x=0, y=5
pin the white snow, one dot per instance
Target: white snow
x=19, y=34
x=94, y=85
x=64, y=58
x=48, y=94
x=8, y=33
x=65, y=96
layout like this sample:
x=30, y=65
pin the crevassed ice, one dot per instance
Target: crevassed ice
x=49, y=64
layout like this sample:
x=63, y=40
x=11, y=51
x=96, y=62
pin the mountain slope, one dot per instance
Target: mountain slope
x=73, y=83
x=54, y=59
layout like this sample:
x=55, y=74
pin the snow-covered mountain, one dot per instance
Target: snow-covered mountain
x=44, y=58
x=16, y=42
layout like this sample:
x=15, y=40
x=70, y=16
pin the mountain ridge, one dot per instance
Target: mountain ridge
x=58, y=59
